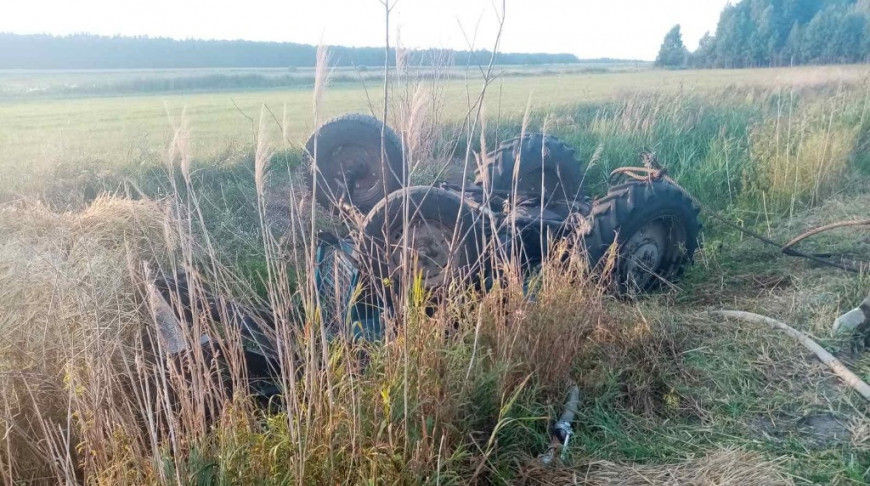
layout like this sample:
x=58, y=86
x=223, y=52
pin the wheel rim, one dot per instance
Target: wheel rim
x=647, y=253
x=429, y=244
x=355, y=172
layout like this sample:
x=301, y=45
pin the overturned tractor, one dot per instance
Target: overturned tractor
x=528, y=197
x=528, y=194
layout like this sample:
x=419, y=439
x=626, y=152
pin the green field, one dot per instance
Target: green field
x=467, y=392
x=112, y=131
x=16, y=83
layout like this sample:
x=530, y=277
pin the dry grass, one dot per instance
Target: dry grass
x=860, y=432
x=85, y=397
x=67, y=301
x=725, y=467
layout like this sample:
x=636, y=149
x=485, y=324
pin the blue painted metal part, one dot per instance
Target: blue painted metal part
x=337, y=278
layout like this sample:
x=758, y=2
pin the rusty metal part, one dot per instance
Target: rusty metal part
x=652, y=170
x=638, y=174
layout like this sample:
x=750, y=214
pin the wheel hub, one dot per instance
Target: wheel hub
x=429, y=246
x=356, y=174
x=643, y=254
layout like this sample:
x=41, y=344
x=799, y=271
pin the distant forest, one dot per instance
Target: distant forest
x=753, y=33
x=99, y=52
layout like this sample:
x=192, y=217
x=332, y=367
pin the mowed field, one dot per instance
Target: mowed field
x=100, y=192
x=110, y=131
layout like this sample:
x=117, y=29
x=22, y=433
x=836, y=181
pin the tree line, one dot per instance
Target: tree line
x=83, y=51
x=755, y=33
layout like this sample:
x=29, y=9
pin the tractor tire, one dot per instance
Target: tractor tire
x=348, y=161
x=443, y=235
x=539, y=157
x=655, y=227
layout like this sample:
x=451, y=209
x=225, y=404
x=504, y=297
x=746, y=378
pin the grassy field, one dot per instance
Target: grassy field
x=57, y=83
x=92, y=188
x=36, y=135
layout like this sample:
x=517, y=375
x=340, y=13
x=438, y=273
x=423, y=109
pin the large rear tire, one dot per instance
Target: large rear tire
x=346, y=153
x=442, y=237
x=548, y=169
x=655, y=226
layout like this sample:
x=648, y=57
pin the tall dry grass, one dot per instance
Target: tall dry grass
x=452, y=394
x=69, y=311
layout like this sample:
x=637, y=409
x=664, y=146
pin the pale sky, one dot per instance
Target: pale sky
x=586, y=28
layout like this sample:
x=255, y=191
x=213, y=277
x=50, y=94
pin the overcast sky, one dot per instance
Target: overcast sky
x=586, y=28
